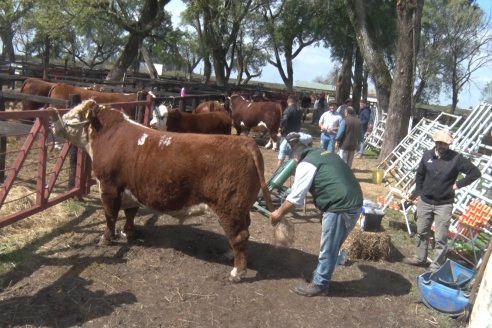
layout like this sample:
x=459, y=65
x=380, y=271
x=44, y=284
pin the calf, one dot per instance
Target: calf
x=250, y=114
x=176, y=121
x=209, y=106
x=35, y=87
x=169, y=171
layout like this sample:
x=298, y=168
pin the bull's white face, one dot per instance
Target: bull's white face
x=159, y=117
x=73, y=126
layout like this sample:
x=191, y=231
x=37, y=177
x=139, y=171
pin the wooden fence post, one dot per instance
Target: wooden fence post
x=3, y=143
x=74, y=101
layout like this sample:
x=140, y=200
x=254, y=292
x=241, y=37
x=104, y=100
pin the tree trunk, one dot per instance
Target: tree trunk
x=400, y=106
x=7, y=36
x=207, y=69
x=46, y=57
x=125, y=59
x=219, y=67
x=344, y=83
x=149, y=63
x=358, y=80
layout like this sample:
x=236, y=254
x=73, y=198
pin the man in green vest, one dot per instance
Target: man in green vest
x=337, y=193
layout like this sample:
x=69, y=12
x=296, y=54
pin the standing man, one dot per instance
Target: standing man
x=291, y=118
x=290, y=142
x=329, y=123
x=348, y=136
x=435, y=186
x=365, y=118
x=341, y=110
x=337, y=193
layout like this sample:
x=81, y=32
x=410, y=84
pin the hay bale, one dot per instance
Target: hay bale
x=365, y=245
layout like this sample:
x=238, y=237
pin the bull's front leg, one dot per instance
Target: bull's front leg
x=111, y=201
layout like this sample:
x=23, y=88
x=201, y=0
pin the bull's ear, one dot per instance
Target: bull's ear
x=91, y=111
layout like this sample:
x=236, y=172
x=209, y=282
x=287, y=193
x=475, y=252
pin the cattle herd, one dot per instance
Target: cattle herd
x=172, y=165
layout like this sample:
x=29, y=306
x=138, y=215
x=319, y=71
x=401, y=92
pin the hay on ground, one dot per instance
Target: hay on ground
x=365, y=245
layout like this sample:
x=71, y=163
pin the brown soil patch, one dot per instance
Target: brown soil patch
x=177, y=275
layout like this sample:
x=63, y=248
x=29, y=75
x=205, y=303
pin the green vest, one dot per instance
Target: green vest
x=335, y=187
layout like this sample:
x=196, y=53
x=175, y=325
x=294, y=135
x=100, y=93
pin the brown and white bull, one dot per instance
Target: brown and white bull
x=210, y=106
x=246, y=115
x=63, y=91
x=175, y=121
x=168, y=171
x=35, y=87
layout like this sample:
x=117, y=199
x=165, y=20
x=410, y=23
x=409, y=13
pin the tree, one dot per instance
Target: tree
x=11, y=13
x=139, y=20
x=218, y=24
x=466, y=44
x=487, y=93
x=290, y=26
x=394, y=95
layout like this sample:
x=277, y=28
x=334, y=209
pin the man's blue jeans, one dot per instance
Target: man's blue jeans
x=335, y=227
x=328, y=141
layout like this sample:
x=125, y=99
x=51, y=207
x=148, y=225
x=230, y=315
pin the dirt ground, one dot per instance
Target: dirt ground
x=177, y=275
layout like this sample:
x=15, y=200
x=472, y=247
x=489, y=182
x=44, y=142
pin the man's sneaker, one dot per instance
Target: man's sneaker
x=311, y=290
x=414, y=261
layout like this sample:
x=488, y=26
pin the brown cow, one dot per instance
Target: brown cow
x=176, y=121
x=169, y=171
x=209, y=106
x=63, y=91
x=35, y=87
x=250, y=114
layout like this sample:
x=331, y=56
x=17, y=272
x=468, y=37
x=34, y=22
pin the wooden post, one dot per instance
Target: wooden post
x=3, y=143
x=74, y=100
x=139, y=112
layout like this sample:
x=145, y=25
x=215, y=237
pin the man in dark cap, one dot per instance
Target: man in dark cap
x=343, y=108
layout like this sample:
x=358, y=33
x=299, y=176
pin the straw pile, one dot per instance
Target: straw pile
x=365, y=245
x=284, y=233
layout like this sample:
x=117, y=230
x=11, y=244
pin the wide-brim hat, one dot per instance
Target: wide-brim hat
x=348, y=100
x=443, y=136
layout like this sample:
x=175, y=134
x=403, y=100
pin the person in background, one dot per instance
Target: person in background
x=319, y=108
x=341, y=110
x=291, y=118
x=348, y=136
x=329, y=123
x=290, y=142
x=365, y=118
x=337, y=193
x=436, y=182
x=305, y=105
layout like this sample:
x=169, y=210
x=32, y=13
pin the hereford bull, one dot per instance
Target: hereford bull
x=35, y=87
x=176, y=121
x=63, y=91
x=210, y=106
x=168, y=171
x=251, y=114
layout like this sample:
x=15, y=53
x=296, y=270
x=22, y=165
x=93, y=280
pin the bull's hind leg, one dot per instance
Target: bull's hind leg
x=129, y=228
x=238, y=235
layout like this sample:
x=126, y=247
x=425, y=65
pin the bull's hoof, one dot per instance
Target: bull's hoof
x=236, y=276
x=103, y=241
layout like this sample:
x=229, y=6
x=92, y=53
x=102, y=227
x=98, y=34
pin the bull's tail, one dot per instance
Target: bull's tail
x=260, y=169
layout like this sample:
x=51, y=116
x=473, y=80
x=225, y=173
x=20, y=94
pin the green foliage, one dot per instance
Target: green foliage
x=487, y=93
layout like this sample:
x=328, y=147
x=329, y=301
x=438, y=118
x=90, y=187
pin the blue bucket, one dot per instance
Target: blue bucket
x=453, y=275
x=438, y=296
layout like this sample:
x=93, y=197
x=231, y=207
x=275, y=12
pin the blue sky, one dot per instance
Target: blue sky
x=315, y=62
